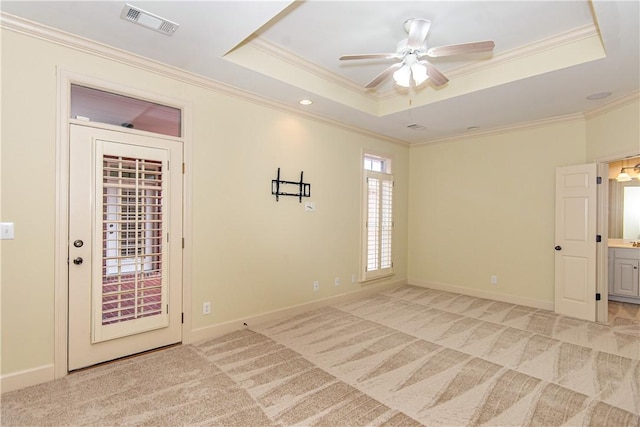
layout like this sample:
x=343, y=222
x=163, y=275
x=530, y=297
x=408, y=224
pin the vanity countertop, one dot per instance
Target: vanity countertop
x=622, y=243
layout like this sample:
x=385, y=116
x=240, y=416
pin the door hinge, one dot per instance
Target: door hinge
x=599, y=180
x=183, y=168
x=167, y=308
x=183, y=243
x=598, y=238
x=598, y=296
x=182, y=318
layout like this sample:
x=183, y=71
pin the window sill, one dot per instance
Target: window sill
x=376, y=279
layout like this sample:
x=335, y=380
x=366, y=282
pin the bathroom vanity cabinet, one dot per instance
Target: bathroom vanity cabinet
x=624, y=266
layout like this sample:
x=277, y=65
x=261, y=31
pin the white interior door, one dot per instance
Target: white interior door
x=125, y=244
x=575, y=256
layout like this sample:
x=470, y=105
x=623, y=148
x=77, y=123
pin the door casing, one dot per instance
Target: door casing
x=65, y=78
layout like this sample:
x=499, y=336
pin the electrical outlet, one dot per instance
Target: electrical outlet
x=316, y=285
x=353, y=278
x=206, y=307
x=494, y=280
x=336, y=281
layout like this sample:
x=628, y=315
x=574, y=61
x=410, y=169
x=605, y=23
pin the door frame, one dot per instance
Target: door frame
x=602, y=250
x=65, y=79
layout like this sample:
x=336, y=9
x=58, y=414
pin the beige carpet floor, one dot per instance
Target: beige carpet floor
x=405, y=357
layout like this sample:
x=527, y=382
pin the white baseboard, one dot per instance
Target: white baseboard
x=529, y=302
x=213, y=331
x=41, y=374
x=619, y=298
x=28, y=377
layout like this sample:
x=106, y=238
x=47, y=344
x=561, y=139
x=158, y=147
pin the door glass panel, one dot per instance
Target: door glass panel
x=119, y=110
x=132, y=239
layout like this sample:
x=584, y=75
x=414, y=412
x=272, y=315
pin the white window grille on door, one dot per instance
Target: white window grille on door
x=132, y=217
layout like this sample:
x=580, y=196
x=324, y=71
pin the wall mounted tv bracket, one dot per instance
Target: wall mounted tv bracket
x=304, y=189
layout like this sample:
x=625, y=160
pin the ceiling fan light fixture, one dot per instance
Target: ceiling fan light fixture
x=415, y=71
x=419, y=73
x=402, y=76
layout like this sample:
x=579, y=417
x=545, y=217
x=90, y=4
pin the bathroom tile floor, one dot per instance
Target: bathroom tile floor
x=623, y=311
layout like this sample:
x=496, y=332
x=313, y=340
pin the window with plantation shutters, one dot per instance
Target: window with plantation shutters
x=378, y=218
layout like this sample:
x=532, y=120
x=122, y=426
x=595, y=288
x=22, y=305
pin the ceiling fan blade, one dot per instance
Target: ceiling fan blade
x=457, y=49
x=383, y=75
x=368, y=56
x=436, y=77
x=418, y=29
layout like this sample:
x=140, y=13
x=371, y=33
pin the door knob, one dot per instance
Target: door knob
x=558, y=248
x=78, y=260
x=78, y=243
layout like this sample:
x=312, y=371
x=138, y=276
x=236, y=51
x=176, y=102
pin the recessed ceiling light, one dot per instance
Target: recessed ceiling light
x=599, y=95
x=473, y=128
x=305, y=102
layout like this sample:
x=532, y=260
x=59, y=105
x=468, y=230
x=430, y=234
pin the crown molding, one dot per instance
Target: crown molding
x=562, y=39
x=603, y=109
x=81, y=44
x=309, y=67
x=613, y=105
x=504, y=129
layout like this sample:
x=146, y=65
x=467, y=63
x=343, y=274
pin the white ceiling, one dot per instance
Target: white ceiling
x=549, y=55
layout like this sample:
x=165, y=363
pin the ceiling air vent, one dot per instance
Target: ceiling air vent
x=415, y=126
x=148, y=20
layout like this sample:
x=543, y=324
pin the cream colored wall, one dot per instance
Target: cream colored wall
x=28, y=200
x=483, y=206
x=266, y=254
x=251, y=254
x=616, y=133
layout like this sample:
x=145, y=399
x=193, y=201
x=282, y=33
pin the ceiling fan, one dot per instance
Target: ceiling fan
x=413, y=69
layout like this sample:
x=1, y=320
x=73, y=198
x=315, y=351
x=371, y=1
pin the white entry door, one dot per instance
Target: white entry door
x=575, y=250
x=125, y=244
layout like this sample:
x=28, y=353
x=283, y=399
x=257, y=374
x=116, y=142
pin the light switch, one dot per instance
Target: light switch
x=6, y=231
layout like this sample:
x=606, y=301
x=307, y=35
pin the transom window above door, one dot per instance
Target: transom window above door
x=120, y=110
